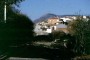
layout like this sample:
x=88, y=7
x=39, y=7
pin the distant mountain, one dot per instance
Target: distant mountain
x=49, y=15
x=44, y=17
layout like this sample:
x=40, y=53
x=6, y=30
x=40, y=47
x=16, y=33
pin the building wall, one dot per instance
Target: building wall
x=53, y=21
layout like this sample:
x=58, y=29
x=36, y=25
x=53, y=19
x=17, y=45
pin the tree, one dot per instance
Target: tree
x=9, y=3
x=87, y=38
x=80, y=29
x=17, y=30
x=58, y=35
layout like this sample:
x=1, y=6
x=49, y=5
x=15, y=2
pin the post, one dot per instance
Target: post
x=5, y=12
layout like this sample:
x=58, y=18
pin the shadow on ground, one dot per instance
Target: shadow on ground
x=41, y=52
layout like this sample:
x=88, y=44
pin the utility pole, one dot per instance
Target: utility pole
x=5, y=12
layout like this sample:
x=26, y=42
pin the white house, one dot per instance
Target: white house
x=66, y=19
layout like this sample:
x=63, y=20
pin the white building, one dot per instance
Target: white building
x=66, y=19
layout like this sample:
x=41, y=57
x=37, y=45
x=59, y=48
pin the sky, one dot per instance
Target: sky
x=37, y=8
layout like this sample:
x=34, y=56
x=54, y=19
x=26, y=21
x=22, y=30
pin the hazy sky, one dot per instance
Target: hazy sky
x=36, y=8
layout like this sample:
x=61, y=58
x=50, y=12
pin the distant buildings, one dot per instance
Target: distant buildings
x=53, y=21
x=54, y=24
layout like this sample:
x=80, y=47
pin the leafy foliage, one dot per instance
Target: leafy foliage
x=58, y=34
x=17, y=30
x=10, y=2
x=80, y=29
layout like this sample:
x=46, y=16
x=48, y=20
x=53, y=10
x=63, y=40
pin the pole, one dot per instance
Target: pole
x=5, y=12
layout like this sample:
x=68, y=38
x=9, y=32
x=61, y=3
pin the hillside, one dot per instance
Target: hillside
x=44, y=17
x=49, y=15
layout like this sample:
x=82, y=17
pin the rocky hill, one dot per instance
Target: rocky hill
x=49, y=15
x=44, y=17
